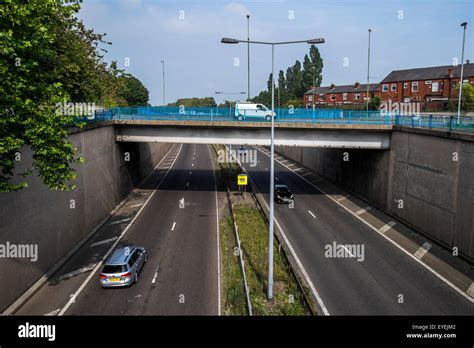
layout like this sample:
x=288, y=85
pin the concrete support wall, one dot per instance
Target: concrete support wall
x=56, y=220
x=420, y=171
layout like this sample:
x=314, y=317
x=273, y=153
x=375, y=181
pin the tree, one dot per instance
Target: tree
x=29, y=90
x=294, y=81
x=467, y=98
x=48, y=57
x=283, y=93
x=195, y=102
x=133, y=91
x=312, y=68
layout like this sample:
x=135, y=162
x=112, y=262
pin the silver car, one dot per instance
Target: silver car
x=123, y=266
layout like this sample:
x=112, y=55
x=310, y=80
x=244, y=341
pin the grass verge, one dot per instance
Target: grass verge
x=288, y=298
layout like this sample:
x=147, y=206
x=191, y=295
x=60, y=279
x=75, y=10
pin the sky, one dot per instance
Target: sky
x=186, y=34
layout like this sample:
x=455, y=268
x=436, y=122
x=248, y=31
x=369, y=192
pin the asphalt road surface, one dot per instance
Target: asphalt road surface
x=178, y=227
x=373, y=286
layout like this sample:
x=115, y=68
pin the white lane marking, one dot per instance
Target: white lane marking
x=218, y=240
x=192, y=164
x=308, y=173
x=309, y=211
x=266, y=169
x=386, y=227
x=470, y=291
x=276, y=178
x=362, y=210
x=53, y=313
x=297, y=260
x=77, y=272
x=174, y=225
x=187, y=183
x=120, y=221
x=462, y=293
x=297, y=169
x=135, y=205
x=83, y=285
x=423, y=250
x=155, y=276
x=348, y=251
x=105, y=241
x=190, y=172
x=181, y=202
x=341, y=198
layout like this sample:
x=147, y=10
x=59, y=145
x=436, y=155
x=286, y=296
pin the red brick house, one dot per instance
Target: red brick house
x=340, y=95
x=432, y=87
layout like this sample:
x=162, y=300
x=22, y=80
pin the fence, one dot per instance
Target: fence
x=298, y=115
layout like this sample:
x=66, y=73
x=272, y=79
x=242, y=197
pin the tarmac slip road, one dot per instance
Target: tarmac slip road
x=178, y=227
x=380, y=281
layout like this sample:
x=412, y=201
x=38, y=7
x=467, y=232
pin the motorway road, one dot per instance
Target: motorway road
x=181, y=275
x=346, y=286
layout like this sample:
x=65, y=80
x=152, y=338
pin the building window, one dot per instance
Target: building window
x=435, y=87
x=405, y=85
x=414, y=86
x=333, y=97
x=321, y=97
x=357, y=96
x=310, y=98
x=394, y=87
x=344, y=96
x=428, y=82
x=384, y=88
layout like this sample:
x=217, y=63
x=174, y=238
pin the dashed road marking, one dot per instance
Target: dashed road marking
x=386, y=227
x=423, y=250
x=155, y=276
x=53, y=313
x=362, y=211
x=77, y=272
x=105, y=241
x=120, y=221
x=311, y=213
x=174, y=225
x=135, y=205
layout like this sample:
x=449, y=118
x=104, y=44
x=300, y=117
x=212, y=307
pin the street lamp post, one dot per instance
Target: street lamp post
x=462, y=71
x=248, y=57
x=164, y=102
x=368, y=79
x=272, y=149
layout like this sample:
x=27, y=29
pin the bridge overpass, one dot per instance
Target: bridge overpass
x=324, y=128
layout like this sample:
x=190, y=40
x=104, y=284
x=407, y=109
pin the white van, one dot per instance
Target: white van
x=252, y=111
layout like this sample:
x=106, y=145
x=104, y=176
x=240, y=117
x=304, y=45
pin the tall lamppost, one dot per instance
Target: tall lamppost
x=368, y=79
x=462, y=71
x=272, y=148
x=248, y=57
x=163, y=63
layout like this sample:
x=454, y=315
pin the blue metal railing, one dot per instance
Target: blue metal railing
x=301, y=115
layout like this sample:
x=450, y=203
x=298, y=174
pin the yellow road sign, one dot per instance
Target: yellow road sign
x=242, y=179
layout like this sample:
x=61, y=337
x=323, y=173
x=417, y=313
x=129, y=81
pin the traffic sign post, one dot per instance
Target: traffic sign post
x=242, y=181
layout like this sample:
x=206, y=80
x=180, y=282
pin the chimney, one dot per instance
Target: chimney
x=450, y=72
x=468, y=61
x=357, y=84
x=333, y=86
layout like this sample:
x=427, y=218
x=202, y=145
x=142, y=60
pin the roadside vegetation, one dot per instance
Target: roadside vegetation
x=49, y=58
x=253, y=232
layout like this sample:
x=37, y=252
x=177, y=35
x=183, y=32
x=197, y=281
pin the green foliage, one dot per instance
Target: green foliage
x=133, y=91
x=374, y=103
x=195, y=102
x=47, y=57
x=299, y=78
x=467, y=98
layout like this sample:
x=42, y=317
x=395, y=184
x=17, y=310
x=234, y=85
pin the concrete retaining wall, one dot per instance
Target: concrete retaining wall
x=437, y=191
x=56, y=220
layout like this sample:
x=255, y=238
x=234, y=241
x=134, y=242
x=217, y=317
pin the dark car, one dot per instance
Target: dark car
x=283, y=194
